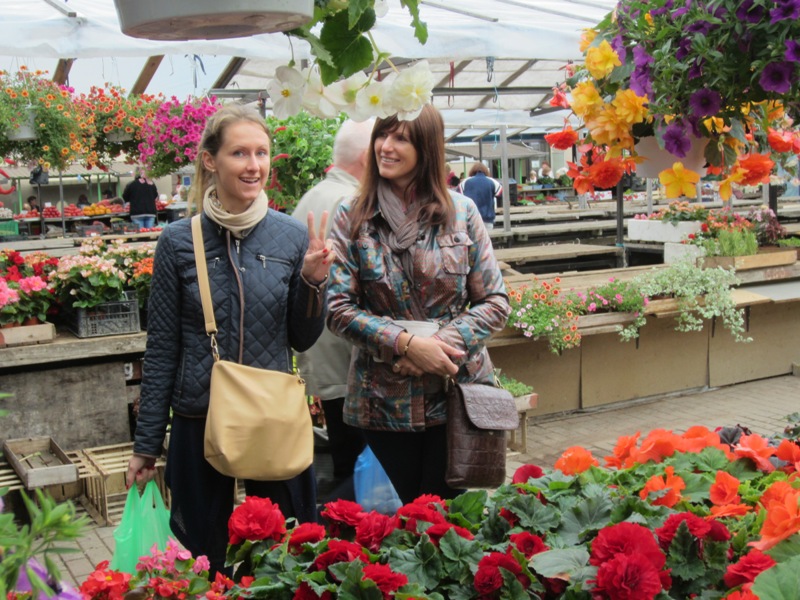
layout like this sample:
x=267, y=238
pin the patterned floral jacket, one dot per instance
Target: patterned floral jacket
x=458, y=284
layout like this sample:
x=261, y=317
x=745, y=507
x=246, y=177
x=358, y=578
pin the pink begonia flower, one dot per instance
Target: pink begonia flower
x=32, y=284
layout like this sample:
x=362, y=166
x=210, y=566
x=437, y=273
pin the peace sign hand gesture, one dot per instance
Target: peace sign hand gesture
x=319, y=255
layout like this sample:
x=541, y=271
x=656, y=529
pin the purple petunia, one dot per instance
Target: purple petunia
x=618, y=44
x=749, y=13
x=641, y=83
x=700, y=26
x=684, y=46
x=641, y=58
x=784, y=10
x=657, y=12
x=705, y=102
x=676, y=141
x=696, y=69
x=777, y=77
x=792, y=51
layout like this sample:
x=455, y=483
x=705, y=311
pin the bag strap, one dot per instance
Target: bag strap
x=202, y=280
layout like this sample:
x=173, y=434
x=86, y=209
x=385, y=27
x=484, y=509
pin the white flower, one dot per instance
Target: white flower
x=349, y=89
x=286, y=91
x=370, y=102
x=381, y=8
x=411, y=91
x=321, y=101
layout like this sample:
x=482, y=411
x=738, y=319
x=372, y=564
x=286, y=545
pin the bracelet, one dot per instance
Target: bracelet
x=408, y=343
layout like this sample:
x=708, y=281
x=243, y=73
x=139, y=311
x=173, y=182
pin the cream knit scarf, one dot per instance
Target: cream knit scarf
x=241, y=224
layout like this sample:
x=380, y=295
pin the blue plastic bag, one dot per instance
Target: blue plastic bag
x=374, y=491
x=145, y=521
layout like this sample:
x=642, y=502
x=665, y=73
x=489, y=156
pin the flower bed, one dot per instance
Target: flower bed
x=700, y=514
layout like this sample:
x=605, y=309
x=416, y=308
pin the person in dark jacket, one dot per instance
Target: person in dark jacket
x=141, y=194
x=483, y=190
x=267, y=274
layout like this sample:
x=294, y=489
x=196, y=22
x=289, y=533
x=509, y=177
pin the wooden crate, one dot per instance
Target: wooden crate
x=39, y=462
x=27, y=334
x=105, y=488
x=761, y=260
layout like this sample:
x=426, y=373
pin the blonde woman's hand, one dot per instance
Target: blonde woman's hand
x=140, y=470
x=319, y=256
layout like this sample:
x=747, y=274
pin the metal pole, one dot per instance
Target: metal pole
x=504, y=173
x=649, y=196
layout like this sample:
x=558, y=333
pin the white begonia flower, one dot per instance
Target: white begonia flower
x=411, y=91
x=321, y=101
x=349, y=89
x=381, y=8
x=286, y=91
x=371, y=102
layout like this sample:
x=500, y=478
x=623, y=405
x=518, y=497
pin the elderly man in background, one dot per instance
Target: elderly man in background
x=326, y=364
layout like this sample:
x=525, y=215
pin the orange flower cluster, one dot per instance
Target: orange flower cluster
x=660, y=444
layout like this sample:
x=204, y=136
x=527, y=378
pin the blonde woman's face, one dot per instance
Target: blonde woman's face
x=241, y=167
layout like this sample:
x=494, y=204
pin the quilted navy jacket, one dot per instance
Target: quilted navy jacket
x=281, y=313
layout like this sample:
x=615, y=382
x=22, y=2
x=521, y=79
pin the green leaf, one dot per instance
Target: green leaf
x=351, y=51
x=781, y=582
x=356, y=8
x=354, y=586
x=683, y=555
x=471, y=505
x=533, y=514
x=421, y=564
x=592, y=514
x=459, y=556
x=420, y=27
x=785, y=550
x=573, y=562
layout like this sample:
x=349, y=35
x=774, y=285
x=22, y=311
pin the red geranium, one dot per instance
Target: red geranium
x=306, y=533
x=304, y=592
x=373, y=528
x=528, y=543
x=526, y=472
x=105, y=584
x=342, y=513
x=256, y=519
x=627, y=577
x=750, y=566
x=489, y=579
x=340, y=551
x=435, y=532
x=413, y=513
x=388, y=581
x=626, y=538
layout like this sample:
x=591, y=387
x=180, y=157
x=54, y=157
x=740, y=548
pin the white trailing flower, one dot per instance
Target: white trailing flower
x=287, y=91
x=371, y=102
x=321, y=101
x=411, y=90
x=349, y=89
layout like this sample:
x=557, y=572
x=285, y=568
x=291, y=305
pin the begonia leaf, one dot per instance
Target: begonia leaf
x=781, y=582
x=573, y=562
x=421, y=564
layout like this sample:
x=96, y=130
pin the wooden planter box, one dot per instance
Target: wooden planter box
x=752, y=261
x=609, y=322
x=39, y=462
x=642, y=230
x=27, y=334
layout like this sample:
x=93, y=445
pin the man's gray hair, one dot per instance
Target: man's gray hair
x=350, y=142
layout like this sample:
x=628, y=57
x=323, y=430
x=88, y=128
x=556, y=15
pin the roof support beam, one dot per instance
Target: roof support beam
x=61, y=76
x=146, y=74
x=485, y=91
x=453, y=136
x=510, y=79
x=62, y=8
x=550, y=11
x=229, y=72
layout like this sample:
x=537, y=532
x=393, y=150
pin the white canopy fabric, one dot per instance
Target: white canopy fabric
x=527, y=43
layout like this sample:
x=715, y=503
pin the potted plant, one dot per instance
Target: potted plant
x=723, y=75
x=170, y=137
x=696, y=294
x=619, y=304
x=670, y=224
x=58, y=123
x=302, y=149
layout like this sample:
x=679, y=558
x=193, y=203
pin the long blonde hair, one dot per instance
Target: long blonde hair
x=212, y=140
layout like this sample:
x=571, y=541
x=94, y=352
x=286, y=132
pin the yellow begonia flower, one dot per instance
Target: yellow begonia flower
x=630, y=107
x=714, y=124
x=587, y=37
x=725, y=186
x=585, y=99
x=679, y=181
x=606, y=127
x=601, y=60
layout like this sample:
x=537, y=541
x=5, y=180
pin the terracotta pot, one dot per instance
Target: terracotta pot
x=9, y=325
x=210, y=19
x=659, y=160
x=32, y=321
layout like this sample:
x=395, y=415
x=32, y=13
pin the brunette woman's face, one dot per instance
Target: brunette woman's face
x=396, y=157
x=241, y=165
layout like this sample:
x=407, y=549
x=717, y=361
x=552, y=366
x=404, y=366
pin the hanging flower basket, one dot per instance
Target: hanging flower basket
x=658, y=159
x=26, y=130
x=210, y=19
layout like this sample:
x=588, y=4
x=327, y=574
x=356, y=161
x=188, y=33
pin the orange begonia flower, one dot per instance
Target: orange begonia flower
x=626, y=445
x=776, y=493
x=561, y=140
x=757, y=167
x=729, y=510
x=658, y=444
x=606, y=173
x=679, y=181
x=790, y=452
x=725, y=489
x=757, y=449
x=780, y=141
x=671, y=483
x=782, y=521
x=698, y=437
x=574, y=460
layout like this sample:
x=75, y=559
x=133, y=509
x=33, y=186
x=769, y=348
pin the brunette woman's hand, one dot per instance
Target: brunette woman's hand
x=318, y=258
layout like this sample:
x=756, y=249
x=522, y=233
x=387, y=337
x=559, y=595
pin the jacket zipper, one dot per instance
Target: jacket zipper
x=241, y=293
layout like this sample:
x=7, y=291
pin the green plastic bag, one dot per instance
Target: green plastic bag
x=145, y=521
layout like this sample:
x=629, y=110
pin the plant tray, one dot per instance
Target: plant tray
x=609, y=322
x=753, y=261
x=111, y=318
x=27, y=334
x=39, y=462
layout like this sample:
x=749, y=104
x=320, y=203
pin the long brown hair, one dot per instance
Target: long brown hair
x=211, y=141
x=426, y=133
